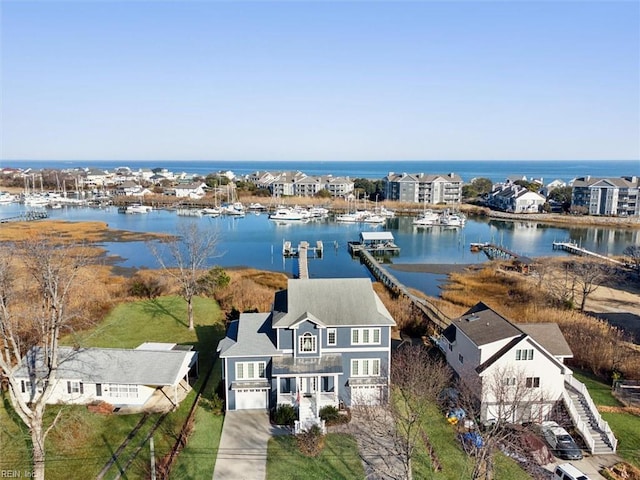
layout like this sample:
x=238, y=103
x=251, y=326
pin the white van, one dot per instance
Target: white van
x=566, y=471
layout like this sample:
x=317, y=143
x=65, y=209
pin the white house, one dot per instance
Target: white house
x=120, y=377
x=192, y=190
x=484, y=347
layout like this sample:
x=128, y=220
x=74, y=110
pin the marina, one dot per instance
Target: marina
x=255, y=241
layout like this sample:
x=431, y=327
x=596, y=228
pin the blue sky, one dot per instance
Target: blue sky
x=294, y=80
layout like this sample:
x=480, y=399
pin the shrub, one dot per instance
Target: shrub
x=285, y=415
x=332, y=416
x=215, y=404
x=311, y=441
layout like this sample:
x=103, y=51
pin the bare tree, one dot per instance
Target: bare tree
x=184, y=258
x=589, y=276
x=497, y=401
x=632, y=252
x=417, y=377
x=32, y=317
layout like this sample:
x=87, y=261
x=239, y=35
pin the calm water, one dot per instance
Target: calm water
x=497, y=171
x=257, y=241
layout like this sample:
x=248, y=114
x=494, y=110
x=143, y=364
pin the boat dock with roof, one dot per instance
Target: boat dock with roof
x=376, y=243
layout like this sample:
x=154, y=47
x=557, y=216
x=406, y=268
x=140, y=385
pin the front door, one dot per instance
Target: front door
x=309, y=385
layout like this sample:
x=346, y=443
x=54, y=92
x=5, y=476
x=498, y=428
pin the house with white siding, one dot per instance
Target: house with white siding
x=505, y=360
x=120, y=377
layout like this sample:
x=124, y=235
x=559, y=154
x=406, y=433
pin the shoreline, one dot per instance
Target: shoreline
x=435, y=268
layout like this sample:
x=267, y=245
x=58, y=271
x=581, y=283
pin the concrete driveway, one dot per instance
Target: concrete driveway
x=242, y=454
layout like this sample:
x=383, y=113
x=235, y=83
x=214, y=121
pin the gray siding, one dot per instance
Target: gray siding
x=285, y=337
x=231, y=376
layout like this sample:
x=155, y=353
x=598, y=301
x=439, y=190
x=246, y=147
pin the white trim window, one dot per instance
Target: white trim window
x=332, y=337
x=250, y=370
x=525, y=354
x=123, y=391
x=365, y=367
x=365, y=336
x=307, y=343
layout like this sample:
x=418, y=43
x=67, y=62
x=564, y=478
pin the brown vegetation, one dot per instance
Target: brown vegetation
x=596, y=345
x=250, y=290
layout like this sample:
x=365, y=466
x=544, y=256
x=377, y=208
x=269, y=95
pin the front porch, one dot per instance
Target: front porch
x=309, y=384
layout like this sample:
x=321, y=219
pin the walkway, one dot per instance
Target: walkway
x=242, y=454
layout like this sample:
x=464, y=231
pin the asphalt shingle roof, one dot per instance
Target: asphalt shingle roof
x=113, y=365
x=251, y=335
x=334, y=301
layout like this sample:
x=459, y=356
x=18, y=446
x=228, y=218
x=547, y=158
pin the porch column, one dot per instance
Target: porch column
x=335, y=389
x=318, y=395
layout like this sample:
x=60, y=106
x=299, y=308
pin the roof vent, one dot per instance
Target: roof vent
x=473, y=318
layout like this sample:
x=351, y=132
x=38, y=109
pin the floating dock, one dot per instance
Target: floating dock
x=303, y=249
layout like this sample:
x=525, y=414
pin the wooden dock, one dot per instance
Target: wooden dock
x=26, y=217
x=436, y=319
x=573, y=248
x=302, y=252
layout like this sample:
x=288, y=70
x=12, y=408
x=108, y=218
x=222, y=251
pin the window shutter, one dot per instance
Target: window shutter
x=98, y=389
x=68, y=387
x=81, y=387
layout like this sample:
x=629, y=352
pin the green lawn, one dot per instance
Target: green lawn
x=83, y=442
x=625, y=426
x=456, y=464
x=338, y=461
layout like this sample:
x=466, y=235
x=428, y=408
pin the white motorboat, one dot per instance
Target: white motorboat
x=287, y=214
x=236, y=209
x=211, y=212
x=451, y=220
x=137, y=208
x=374, y=218
x=6, y=198
x=426, y=218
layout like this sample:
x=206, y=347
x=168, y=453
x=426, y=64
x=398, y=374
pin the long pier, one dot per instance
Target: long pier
x=496, y=251
x=430, y=312
x=26, y=217
x=573, y=248
x=302, y=253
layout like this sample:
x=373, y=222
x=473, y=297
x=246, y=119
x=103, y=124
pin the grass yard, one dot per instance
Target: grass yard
x=456, y=464
x=625, y=425
x=84, y=442
x=338, y=461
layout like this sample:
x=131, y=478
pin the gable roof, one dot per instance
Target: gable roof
x=333, y=301
x=112, y=365
x=250, y=335
x=549, y=336
x=483, y=325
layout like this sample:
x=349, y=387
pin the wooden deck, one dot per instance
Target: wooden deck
x=26, y=217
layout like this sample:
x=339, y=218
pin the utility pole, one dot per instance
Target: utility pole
x=153, y=459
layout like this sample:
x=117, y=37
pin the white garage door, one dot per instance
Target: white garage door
x=251, y=398
x=366, y=394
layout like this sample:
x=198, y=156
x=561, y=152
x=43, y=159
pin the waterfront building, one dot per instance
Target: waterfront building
x=607, y=196
x=516, y=199
x=423, y=188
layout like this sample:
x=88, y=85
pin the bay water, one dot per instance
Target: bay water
x=255, y=241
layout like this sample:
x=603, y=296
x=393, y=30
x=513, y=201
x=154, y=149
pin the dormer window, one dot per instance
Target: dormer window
x=307, y=343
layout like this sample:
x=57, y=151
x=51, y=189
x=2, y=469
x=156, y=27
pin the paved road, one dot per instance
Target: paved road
x=242, y=454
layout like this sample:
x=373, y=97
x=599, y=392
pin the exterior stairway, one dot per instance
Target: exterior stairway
x=307, y=416
x=595, y=431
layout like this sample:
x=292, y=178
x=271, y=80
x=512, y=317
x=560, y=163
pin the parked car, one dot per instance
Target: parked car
x=561, y=443
x=566, y=471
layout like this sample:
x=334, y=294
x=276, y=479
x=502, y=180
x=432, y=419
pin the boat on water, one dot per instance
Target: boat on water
x=257, y=207
x=373, y=218
x=287, y=214
x=7, y=198
x=426, y=219
x=235, y=209
x=211, y=212
x=135, y=208
x=451, y=220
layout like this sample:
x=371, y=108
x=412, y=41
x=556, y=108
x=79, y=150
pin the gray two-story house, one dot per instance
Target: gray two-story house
x=326, y=342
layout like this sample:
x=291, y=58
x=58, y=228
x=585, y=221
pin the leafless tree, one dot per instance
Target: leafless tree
x=632, y=252
x=589, y=275
x=34, y=311
x=417, y=378
x=184, y=258
x=494, y=403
